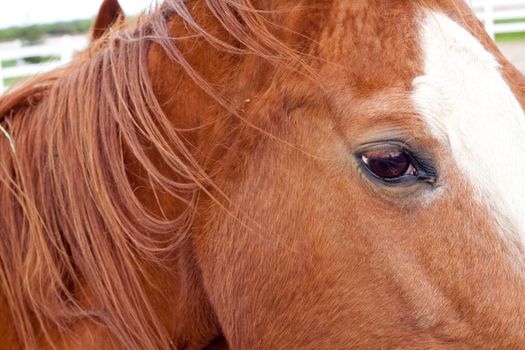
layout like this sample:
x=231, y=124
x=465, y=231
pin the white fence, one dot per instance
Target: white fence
x=62, y=49
x=500, y=16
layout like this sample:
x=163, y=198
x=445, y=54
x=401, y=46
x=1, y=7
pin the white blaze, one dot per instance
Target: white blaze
x=469, y=106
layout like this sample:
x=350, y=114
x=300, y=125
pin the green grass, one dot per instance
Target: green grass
x=9, y=63
x=30, y=60
x=513, y=20
x=10, y=81
x=41, y=59
x=510, y=37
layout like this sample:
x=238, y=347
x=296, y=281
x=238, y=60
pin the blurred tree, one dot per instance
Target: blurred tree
x=36, y=33
x=32, y=35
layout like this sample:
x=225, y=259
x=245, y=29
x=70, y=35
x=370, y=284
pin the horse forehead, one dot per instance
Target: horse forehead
x=373, y=43
x=469, y=107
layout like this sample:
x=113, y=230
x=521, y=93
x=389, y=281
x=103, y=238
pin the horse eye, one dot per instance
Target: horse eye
x=388, y=164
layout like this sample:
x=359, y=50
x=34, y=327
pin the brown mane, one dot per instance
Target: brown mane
x=72, y=228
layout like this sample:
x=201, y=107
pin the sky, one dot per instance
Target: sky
x=24, y=12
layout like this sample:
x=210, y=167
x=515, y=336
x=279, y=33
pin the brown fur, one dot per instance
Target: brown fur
x=193, y=178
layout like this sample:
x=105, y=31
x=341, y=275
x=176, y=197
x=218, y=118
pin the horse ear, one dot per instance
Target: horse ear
x=110, y=13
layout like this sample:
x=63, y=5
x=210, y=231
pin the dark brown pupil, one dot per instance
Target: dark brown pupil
x=387, y=164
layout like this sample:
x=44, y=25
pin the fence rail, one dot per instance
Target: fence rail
x=63, y=49
x=500, y=16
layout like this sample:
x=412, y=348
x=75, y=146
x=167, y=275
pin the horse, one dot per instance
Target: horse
x=268, y=174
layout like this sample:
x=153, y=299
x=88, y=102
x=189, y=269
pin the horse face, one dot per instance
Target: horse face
x=400, y=224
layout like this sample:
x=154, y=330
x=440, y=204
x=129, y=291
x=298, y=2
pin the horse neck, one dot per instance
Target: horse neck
x=178, y=293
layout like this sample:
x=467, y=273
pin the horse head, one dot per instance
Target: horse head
x=270, y=175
